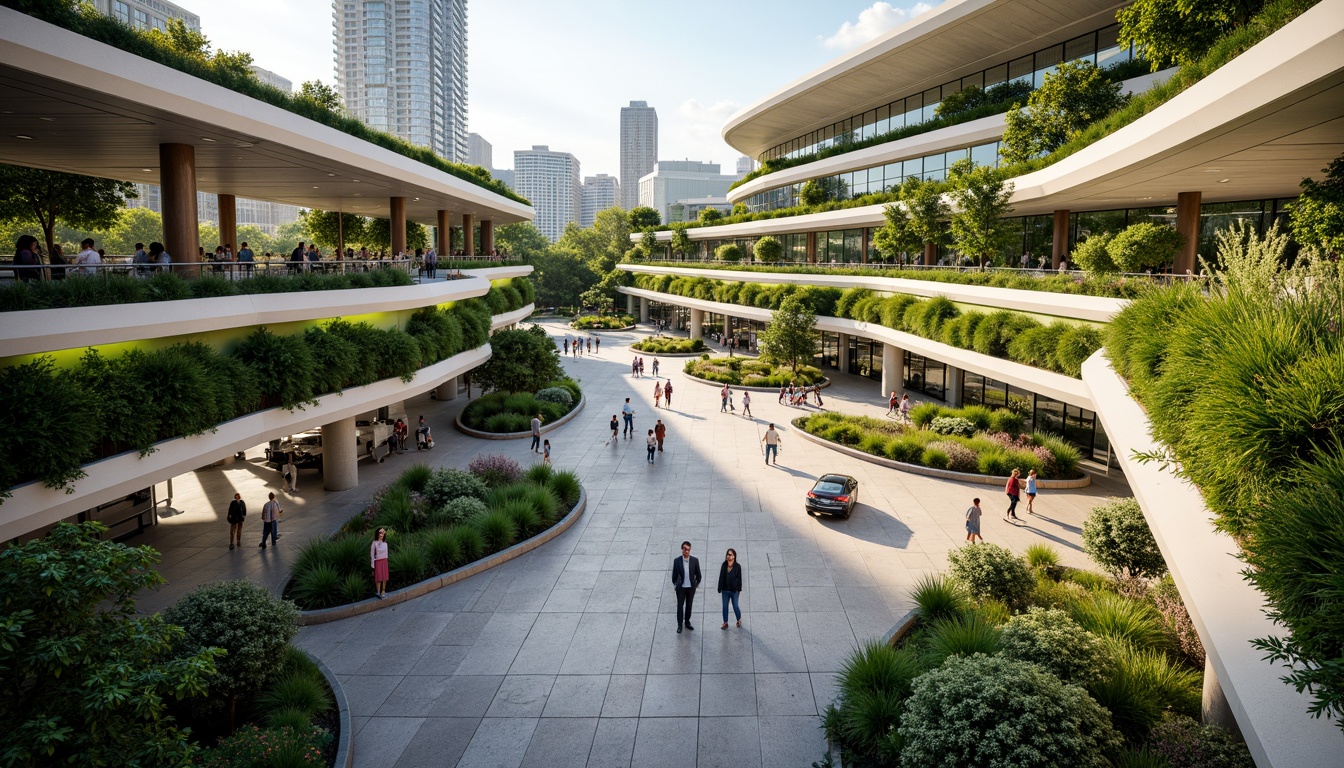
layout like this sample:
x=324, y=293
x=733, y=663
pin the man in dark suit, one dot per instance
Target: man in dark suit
x=685, y=578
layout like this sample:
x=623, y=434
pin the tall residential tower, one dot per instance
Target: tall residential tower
x=639, y=148
x=600, y=192
x=551, y=181
x=406, y=72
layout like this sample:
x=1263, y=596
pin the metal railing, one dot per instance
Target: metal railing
x=881, y=266
x=229, y=270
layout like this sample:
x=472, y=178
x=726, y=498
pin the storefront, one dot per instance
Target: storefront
x=925, y=375
x=1043, y=414
x=865, y=358
x=828, y=351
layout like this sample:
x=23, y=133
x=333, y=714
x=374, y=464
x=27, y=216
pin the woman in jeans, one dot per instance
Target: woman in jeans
x=730, y=585
x=1014, y=491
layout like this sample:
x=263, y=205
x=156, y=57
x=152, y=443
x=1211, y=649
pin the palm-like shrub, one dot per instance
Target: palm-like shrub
x=1020, y=715
x=316, y=586
x=497, y=528
x=442, y=549
x=354, y=587
x=546, y=502
x=989, y=571
x=301, y=690
x=1115, y=616
x=407, y=563
x=872, y=684
x=524, y=515
x=416, y=478
x=566, y=486
x=538, y=474
x=1117, y=537
x=923, y=414
x=937, y=597
x=1054, y=641
x=469, y=541
x=1042, y=557
x=963, y=634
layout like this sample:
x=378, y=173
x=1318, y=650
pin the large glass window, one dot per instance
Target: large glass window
x=924, y=375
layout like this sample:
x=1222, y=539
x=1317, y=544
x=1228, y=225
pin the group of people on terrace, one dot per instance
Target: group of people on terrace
x=29, y=266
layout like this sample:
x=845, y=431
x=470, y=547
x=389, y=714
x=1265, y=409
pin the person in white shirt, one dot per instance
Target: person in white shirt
x=87, y=258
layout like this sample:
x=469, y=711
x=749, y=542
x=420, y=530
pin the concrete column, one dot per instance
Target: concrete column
x=397, y=219
x=952, y=393
x=181, y=225
x=842, y=359
x=468, y=235
x=445, y=236
x=487, y=236
x=811, y=247
x=630, y=304
x=863, y=254
x=228, y=223
x=1059, y=244
x=447, y=390
x=930, y=254
x=1188, y=224
x=340, y=455
x=697, y=323
x=893, y=370
x=727, y=327
x=1214, y=709
x=643, y=310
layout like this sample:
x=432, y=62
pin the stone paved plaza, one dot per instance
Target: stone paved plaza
x=569, y=656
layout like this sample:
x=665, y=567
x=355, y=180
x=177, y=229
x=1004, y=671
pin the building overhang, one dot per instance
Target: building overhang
x=104, y=112
x=950, y=41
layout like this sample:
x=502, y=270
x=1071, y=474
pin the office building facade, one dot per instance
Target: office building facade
x=479, y=151
x=600, y=192
x=147, y=14
x=551, y=181
x=673, y=180
x=402, y=68
x=639, y=149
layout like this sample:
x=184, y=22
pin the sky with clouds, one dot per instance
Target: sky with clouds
x=557, y=73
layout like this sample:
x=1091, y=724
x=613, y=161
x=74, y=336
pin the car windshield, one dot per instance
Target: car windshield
x=828, y=487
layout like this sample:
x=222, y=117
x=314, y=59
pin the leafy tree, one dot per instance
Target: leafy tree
x=980, y=196
x=710, y=215
x=184, y=40
x=85, y=679
x=521, y=360
x=920, y=219
x=768, y=250
x=648, y=242
x=1117, y=537
x=321, y=95
x=1180, y=31
x=681, y=242
x=791, y=336
x=818, y=191
x=1073, y=97
x=1144, y=246
x=643, y=217
x=1093, y=254
x=255, y=237
x=287, y=237
x=740, y=209
x=1318, y=215
x=521, y=240
x=134, y=225
x=208, y=235
x=378, y=235
x=728, y=252
x=47, y=197
x=321, y=227
x=561, y=277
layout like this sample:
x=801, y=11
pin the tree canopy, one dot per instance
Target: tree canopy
x=681, y=242
x=1180, y=31
x=1073, y=97
x=768, y=250
x=1318, y=214
x=322, y=227
x=818, y=191
x=44, y=198
x=644, y=217
x=710, y=215
x=791, y=336
x=1144, y=246
x=921, y=218
x=321, y=95
x=521, y=360
x=521, y=240
x=980, y=196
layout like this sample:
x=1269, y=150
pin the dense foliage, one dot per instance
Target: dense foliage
x=791, y=337
x=740, y=371
x=602, y=322
x=145, y=397
x=990, y=451
x=1073, y=97
x=665, y=346
x=85, y=679
x=990, y=572
x=1117, y=537
x=511, y=411
x=436, y=520
x=1245, y=385
x=521, y=360
x=1318, y=214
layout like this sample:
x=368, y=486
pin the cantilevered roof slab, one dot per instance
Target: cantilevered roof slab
x=104, y=112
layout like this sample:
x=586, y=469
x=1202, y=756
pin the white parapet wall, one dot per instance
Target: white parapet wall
x=1227, y=611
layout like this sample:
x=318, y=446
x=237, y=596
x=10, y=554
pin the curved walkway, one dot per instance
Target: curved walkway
x=569, y=656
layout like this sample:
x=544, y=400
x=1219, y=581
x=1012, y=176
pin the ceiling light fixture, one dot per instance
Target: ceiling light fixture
x=147, y=170
x=21, y=136
x=1213, y=170
x=314, y=187
x=331, y=174
x=207, y=138
x=1223, y=181
x=48, y=119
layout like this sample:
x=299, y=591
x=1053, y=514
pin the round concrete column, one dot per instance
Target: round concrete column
x=893, y=369
x=842, y=356
x=643, y=310
x=697, y=328
x=727, y=327
x=340, y=455
x=630, y=304
x=447, y=390
x=953, y=387
x=181, y=226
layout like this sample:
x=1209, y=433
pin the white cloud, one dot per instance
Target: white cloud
x=693, y=133
x=872, y=22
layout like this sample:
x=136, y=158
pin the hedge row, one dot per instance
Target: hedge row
x=80, y=291
x=657, y=346
x=751, y=373
x=504, y=412
x=1060, y=346
x=107, y=405
x=602, y=322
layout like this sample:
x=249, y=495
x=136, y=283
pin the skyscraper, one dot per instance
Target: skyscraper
x=551, y=181
x=479, y=151
x=147, y=14
x=639, y=148
x=600, y=192
x=406, y=72
x=745, y=165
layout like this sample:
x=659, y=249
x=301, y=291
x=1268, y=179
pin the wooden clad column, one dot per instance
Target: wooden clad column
x=863, y=255
x=181, y=227
x=811, y=247
x=397, y=219
x=487, y=236
x=930, y=254
x=1059, y=243
x=1188, y=224
x=468, y=235
x=228, y=223
x=445, y=236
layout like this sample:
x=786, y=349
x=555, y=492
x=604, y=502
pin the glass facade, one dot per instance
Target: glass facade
x=828, y=351
x=1214, y=217
x=865, y=358
x=922, y=374
x=1043, y=414
x=1101, y=47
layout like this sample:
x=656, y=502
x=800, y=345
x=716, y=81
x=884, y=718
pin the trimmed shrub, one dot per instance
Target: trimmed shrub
x=1117, y=537
x=460, y=510
x=934, y=458
x=923, y=414
x=1036, y=346
x=996, y=331
x=448, y=484
x=1074, y=347
x=495, y=470
x=1004, y=420
x=557, y=395
x=1185, y=743
x=1052, y=640
x=907, y=450
x=959, y=457
x=1020, y=716
x=952, y=425
x=284, y=367
x=989, y=571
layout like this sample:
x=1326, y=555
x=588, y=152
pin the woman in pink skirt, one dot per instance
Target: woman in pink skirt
x=378, y=560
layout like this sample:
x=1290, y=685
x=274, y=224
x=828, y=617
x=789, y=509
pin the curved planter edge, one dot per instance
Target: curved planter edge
x=324, y=615
x=463, y=428
x=345, y=745
x=893, y=636
x=673, y=354
x=826, y=382
x=602, y=330
x=944, y=474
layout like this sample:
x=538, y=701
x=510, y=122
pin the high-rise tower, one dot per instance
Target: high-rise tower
x=639, y=148
x=406, y=72
x=551, y=181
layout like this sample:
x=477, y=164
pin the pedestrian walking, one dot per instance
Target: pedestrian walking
x=566, y=345
x=893, y=403
x=378, y=562
x=628, y=413
x=270, y=512
x=615, y=427
x=746, y=403
x=772, y=443
x=597, y=341
x=724, y=394
x=660, y=432
x=657, y=394
x=590, y=346
x=536, y=433
x=291, y=473
x=641, y=367
x=783, y=392
x=651, y=443
x=667, y=389
x=816, y=392
x=730, y=585
x=634, y=368
x=905, y=408
x=685, y=578
x=973, y=522
x=237, y=512
x=655, y=366
x=546, y=452
x=1031, y=491
x=1013, y=489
